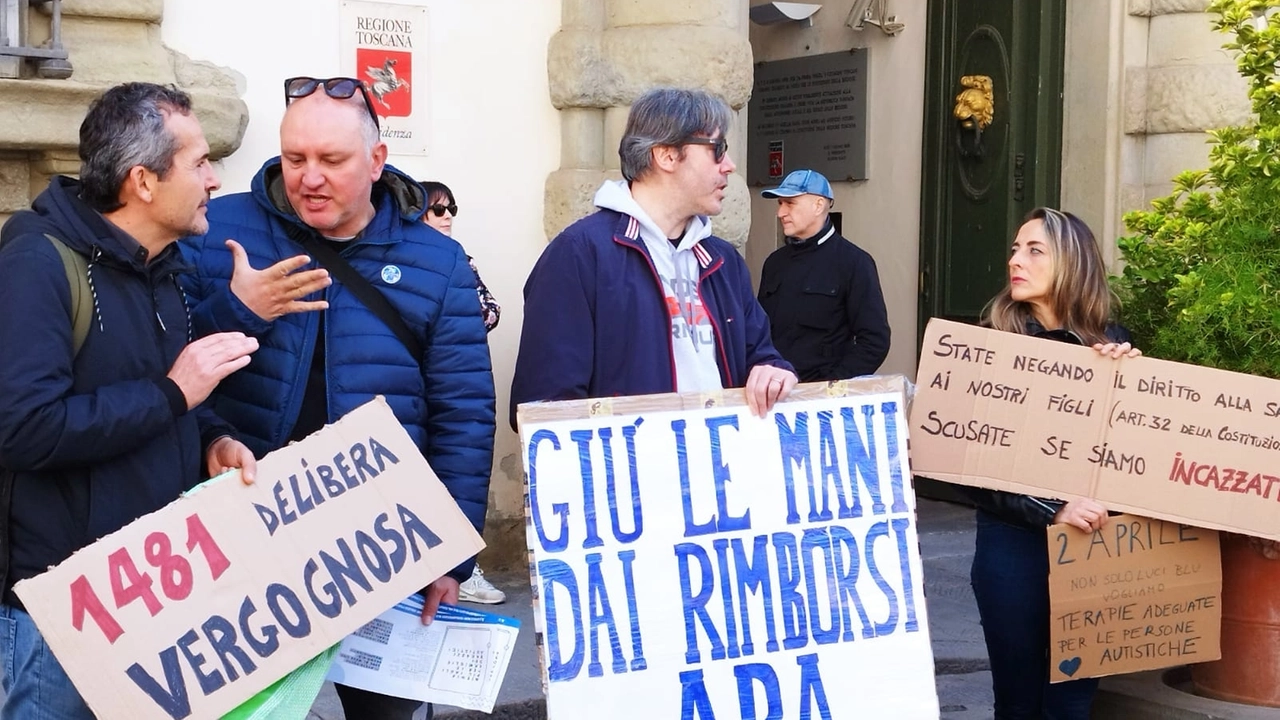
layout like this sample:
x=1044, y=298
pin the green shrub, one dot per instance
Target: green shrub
x=1201, y=281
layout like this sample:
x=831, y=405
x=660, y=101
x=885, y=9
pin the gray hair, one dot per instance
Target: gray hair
x=668, y=116
x=123, y=129
x=369, y=131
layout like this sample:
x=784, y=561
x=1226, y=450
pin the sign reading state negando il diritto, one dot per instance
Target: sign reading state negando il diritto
x=1168, y=440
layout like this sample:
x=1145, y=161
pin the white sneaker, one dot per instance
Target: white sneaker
x=478, y=590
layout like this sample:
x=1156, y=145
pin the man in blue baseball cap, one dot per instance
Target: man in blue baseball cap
x=821, y=292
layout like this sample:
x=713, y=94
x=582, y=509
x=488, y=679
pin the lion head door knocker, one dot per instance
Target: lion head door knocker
x=974, y=111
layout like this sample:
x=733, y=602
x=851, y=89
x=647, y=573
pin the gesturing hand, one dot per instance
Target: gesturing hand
x=277, y=290
x=202, y=364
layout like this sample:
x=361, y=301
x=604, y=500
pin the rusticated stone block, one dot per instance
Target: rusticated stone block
x=1150, y=8
x=582, y=138
x=615, y=124
x=625, y=13
x=1135, y=100
x=145, y=10
x=15, y=183
x=734, y=221
x=1194, y=98
x=46, y=114
x=1185, y=39
x=568, y=197
x=106, y=52
x=577, y=71
x=589, y=69
x=583, y=14
x=713, y=59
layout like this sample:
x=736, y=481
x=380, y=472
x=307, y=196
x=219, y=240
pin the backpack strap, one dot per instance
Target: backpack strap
x=77, y=270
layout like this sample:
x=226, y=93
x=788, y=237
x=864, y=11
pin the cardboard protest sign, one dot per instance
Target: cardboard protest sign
x=691, y=560
x=1180, y=442
x=194, y=608
x=1138, y=594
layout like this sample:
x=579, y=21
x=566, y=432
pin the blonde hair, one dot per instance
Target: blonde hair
x=1079, y=295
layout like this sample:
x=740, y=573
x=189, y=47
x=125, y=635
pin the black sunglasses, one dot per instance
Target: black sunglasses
x=439, y=209
x=338, y=88
x=719, y=146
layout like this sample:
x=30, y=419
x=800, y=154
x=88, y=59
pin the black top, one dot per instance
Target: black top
x=826, y=310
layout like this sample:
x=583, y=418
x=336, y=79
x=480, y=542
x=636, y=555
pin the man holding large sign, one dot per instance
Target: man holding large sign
x=691, y=560
x=100, y=422
x=640, y=297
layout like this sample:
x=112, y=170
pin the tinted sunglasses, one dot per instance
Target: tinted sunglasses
x=719, y=146
x=438, y=210
x=338, y=88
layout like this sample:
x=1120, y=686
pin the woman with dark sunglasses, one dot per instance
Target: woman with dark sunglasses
x=1057, y=290
x=441, y=210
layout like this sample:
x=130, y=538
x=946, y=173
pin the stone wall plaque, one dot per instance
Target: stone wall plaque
x=809, y=113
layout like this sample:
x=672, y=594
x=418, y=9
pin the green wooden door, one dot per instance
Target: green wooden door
x=976, y=194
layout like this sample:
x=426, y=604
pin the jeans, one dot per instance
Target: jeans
x=1011, y=585
x=360, y=704
x=36, y=687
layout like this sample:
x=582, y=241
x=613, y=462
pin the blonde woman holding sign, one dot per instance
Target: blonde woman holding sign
x=1057, y=290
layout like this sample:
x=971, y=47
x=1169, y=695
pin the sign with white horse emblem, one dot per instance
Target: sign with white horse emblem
x=383, y=45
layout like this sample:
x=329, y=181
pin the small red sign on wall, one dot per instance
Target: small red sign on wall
x=387, y=75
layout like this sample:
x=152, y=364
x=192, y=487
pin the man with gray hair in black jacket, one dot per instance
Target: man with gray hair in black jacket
x=99, y=428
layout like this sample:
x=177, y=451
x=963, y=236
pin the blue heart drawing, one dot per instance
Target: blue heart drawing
x=1069, y=667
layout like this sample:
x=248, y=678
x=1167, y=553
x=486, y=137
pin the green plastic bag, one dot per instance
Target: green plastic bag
x=290, y=697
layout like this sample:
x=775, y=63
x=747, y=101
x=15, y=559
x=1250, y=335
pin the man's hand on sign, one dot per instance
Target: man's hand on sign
x=444, y=590
x=1117, y=350
x=277, y=290
x=767, y=385
x=1086, y=514
x=227, y=453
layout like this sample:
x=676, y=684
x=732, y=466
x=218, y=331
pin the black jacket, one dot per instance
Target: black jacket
x=826, y=310
x=1024, y=510
x=89, y=441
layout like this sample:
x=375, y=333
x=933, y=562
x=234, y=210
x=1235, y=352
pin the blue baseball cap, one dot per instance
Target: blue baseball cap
x=801, y=182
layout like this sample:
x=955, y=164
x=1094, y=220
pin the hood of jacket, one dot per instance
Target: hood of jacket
x=407, y=196
x=59, y=211
x=616, y=195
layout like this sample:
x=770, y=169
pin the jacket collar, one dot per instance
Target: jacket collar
x=626, y=231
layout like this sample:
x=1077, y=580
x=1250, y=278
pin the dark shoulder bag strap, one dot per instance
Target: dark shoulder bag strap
x=364, y=291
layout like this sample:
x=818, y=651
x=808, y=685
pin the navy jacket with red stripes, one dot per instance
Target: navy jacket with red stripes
x=596, y=322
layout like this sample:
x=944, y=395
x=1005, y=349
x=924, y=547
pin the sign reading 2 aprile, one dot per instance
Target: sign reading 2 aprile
x=704, y=563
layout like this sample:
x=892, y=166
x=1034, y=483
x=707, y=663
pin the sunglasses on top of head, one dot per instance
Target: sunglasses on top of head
x=439, y=210
x=338, y=88
x=719, y=146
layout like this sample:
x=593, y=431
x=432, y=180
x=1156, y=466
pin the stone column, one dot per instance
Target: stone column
x=606, y=54
x=1187, y=84
x=109, y=42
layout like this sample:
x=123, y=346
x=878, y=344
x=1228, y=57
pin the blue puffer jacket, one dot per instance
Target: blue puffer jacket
x=596, y=322
x=444, y=399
